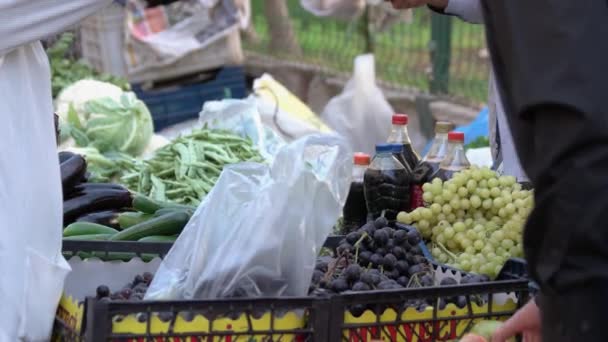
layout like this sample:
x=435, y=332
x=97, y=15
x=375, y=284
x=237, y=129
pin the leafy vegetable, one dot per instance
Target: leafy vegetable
x=66, y=71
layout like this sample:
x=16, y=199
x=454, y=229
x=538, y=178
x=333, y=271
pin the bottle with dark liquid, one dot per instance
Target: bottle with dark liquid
x=386, y=184
x=355, y=208
x=399, y=135
x=439, y=146
x=456, y=159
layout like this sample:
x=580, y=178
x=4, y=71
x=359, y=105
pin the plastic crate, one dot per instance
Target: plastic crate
x=174, y=104
x=103, y=46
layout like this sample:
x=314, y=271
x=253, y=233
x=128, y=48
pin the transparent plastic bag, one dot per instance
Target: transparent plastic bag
x=360, y=113
x=258, y=232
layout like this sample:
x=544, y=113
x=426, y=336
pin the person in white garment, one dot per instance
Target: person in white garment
x=32, y=266
x=501, y=141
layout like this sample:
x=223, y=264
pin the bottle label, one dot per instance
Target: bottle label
x=416, y=198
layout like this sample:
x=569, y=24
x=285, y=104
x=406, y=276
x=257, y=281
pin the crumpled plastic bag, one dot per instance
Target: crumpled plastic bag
x=258, y=232
x=360, y=113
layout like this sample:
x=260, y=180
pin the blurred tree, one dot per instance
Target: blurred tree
x=282, y=36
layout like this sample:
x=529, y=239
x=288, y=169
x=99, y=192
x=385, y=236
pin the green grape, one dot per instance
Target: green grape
x=483, y=183
x=487, y=249
x=478, y=244
x=463, y=192
x=436, y=230
x=435, y=208
x=488, y=173
x=446, y=209
x=441, y=217
x=510, y=209
x=470, y=250
x=493, y=183
x=507, y=198
x=466, y=243
x=519, y=203
x=495, y=192
x=459, y=237
x=471, y=185
x=498, y=235
x=404, y=217
x=451, y=187
x=478, y=228
x=426, y=214
x=507, y=244
x=423, y=224
x=502, y=213
x=427, y=197
x=443, y=224
x=443, y=259
x=437, y=181
x=447, y=195
x=438, y=199
x=449, y=232
x=451, y=245
x=465, y=204
x=516, y=187
x=475, y=201
x=497, y=270
x=415, y=215
x=436, y=189
x=466, y=265
x=455, y=203
x=487, y=203
x=476, y=175
x=426, y=187
x=484, y=193
x=451, y=217
x=497, y=220
x=471, y=234
x=500, y=251
x=436, y=251
x=469, y=222
x=459, y=227
x=503, y=181
x=440, y=239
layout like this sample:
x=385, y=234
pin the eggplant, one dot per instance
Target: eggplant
x=84, y=188
x=93, y=201
x=72, y=171
x=64, y=156
x=108, y=218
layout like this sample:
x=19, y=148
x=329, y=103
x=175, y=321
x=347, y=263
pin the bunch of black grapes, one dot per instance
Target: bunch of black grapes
x=374, y=256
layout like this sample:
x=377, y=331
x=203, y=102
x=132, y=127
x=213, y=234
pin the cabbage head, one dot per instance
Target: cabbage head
x=122, y=126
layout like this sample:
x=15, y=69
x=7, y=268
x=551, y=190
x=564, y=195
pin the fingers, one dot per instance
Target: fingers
x=527, y=319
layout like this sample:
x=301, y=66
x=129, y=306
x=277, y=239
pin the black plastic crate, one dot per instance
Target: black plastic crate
x=388, y=319
x=177, y=102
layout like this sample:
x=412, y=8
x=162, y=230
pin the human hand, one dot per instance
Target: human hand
x=526, y=321
x=405, y=4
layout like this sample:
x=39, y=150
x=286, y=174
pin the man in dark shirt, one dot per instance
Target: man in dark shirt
x=551, y=63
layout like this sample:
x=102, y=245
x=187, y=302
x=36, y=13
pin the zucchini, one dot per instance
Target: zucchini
x=145, y=204
x=87, y=228
x=163, y=211
x=158, y=238
x=168, y=224
x=96, y=237
x=129, y=219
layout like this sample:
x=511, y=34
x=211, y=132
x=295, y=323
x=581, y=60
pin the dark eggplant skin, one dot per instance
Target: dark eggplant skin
x=108, y=218
x=84, y=188
x=94, y=201
x=72, y=171
x=64, y=156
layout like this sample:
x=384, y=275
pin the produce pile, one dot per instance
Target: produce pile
x=66, y=71
x=107, y=211
x=377, y=256
x=474, y=221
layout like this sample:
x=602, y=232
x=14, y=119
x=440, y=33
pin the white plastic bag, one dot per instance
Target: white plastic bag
x=360, y=113
x=33, y=268
x=258, y=232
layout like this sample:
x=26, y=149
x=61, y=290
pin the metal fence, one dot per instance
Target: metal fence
x=432, y=53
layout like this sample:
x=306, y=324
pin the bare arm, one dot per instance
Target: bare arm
x=25, y=21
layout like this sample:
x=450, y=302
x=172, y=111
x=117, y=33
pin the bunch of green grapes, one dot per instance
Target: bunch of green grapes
x=474, y=221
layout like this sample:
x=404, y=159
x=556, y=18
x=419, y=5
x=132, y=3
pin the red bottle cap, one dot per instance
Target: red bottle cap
x=400, y=119
x=361, y=159
x=456, y=136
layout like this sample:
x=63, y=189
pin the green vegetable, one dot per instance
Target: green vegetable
x=129, y=219
x=158, y=238
x=89, y=237
x=478, y=143
x=87, y=228
x=168, y=224
x=66, y=71
x=146, y=204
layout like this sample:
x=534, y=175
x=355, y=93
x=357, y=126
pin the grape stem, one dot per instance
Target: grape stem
x=446, y=251
x=357, y=244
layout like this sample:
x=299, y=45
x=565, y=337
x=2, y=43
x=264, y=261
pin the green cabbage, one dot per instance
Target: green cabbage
x=122, y=126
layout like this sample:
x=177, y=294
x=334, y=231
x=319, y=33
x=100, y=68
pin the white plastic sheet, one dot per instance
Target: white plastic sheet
x=360, y=113
x=258, y=232
x=31, y=263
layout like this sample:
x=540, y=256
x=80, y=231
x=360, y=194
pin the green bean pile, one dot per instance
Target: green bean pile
x=185, y=170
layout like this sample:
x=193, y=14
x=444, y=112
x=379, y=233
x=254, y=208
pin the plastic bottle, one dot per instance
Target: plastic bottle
x=456, y=159
x=439, y=146
x=399, y=135
x=354, y=212
x=386, y=184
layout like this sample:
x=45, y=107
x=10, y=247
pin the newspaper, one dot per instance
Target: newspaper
x=162, y=35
